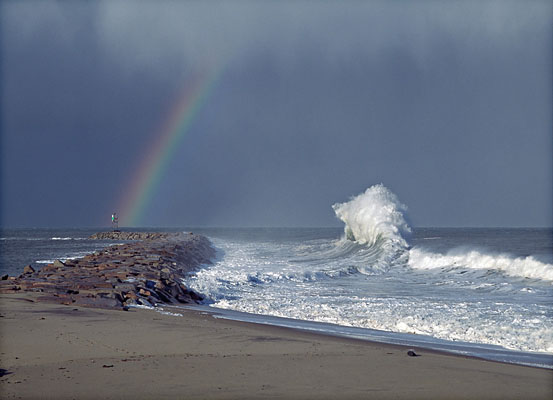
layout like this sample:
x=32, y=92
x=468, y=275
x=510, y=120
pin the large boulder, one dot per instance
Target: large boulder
x=28, y=269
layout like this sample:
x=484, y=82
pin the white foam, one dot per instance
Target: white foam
x=374, y=215
x=160, y=310
x=142, y=306
x=467, y=258
x=441, y=320
x=260, y=278
x=371, y=279
x=65, y=258
x=20, y=238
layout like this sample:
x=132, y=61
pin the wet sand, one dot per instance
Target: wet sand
x=56, y=351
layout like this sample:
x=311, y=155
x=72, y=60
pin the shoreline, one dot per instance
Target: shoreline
x=492, y=353
x=59, y=351
x=148, y=269
x=54, y=345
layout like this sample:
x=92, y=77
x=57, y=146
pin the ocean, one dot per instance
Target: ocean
x=485, y=292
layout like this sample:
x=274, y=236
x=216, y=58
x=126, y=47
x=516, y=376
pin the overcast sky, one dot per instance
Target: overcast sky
x=447, y=103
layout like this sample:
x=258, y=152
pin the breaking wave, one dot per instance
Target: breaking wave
x=375, y=219
x=375, y=275
x=376, y=236
x=463, y=258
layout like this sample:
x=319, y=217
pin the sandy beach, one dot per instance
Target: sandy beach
x=58, y=351
x=276, y=199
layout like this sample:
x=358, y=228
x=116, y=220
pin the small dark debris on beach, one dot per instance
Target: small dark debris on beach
x=411, y=353
x=4, y=372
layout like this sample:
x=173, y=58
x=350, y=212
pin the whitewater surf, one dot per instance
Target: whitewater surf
x=482, y=286
x=485, y=292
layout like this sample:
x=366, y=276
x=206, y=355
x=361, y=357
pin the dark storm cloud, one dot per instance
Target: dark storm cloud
x=447, y=103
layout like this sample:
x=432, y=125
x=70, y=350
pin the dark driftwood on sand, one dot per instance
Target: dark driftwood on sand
x=145, y=272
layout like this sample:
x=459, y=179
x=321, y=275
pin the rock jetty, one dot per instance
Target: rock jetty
x=118, y=235
x=145, y=272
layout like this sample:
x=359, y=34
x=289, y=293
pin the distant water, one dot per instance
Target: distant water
x=40, y=246
x=37, y=247
x=479, y=286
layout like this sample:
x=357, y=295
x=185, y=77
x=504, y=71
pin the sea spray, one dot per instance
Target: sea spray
x=374, y=215
x=375, y=221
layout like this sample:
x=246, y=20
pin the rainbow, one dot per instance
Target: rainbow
x=139, y=192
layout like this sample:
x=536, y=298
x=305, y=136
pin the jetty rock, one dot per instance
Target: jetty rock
x=146, y=271
x=119, y=235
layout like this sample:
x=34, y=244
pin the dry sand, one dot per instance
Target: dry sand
x=54, y=351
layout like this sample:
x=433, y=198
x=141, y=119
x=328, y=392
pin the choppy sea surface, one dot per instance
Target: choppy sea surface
x=477, y=291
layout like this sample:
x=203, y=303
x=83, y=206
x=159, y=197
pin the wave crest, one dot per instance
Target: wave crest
x=374, y=217
x=467, y=258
